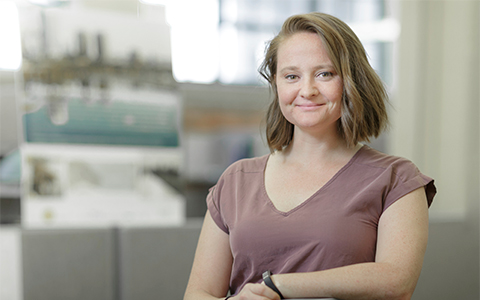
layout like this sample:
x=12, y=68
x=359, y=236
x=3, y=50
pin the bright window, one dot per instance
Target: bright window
x=224, y=40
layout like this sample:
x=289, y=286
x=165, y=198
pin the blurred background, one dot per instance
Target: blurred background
x=117, y=116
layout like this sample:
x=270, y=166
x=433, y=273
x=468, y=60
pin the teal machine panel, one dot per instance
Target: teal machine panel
x=114, y=123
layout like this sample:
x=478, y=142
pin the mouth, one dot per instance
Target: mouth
x=309, y=106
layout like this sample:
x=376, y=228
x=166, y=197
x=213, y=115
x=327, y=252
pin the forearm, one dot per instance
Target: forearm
x=199, y=295
x=360, y=281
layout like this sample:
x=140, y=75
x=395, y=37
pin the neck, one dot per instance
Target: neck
x=323, y=148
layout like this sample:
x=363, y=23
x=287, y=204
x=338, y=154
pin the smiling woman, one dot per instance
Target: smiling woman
x=288, y=215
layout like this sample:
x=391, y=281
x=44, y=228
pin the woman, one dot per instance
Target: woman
x=326, y=215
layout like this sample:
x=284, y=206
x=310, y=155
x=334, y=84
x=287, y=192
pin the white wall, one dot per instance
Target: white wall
x=435, y=123
x=10, y=263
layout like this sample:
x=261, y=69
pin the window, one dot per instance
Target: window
x=224, y=40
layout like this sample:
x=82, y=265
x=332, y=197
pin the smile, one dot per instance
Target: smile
x=309, y=106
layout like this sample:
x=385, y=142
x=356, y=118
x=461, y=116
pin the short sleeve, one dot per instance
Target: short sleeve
x=214, y=208
x=405, y=179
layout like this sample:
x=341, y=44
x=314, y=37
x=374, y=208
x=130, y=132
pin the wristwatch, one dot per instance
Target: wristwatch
x=268, y=282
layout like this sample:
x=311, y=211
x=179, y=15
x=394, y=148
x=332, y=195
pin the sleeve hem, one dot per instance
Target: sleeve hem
x=410, y=186
x=214, y=211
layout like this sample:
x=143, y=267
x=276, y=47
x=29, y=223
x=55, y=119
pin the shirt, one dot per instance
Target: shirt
x=336, y=226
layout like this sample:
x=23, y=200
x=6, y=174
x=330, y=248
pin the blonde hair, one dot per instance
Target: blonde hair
x=364, y=113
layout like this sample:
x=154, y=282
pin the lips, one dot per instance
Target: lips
x=309, y=106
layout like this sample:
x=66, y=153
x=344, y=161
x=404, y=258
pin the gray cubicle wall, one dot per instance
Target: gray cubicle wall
x=60, y=264
x=156, y=262
x=125, y=263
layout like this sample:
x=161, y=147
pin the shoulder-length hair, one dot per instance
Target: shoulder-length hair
x=364, y=113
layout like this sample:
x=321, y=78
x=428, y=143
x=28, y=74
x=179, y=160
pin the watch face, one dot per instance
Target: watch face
x=266, y=274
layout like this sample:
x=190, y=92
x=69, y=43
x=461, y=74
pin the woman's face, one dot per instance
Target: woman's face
x=309, y=89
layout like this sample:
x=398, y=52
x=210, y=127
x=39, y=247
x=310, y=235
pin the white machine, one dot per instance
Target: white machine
x=101, y=123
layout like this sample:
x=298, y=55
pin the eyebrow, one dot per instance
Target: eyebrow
x=293, y=68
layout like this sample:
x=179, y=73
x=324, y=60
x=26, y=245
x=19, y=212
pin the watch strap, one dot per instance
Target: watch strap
x=268, y=282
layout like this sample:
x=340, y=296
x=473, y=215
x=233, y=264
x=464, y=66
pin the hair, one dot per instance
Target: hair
x=364, y=113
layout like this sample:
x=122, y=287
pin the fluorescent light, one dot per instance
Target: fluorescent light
x=11, y=49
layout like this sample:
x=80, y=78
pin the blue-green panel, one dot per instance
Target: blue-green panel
x=115, y=123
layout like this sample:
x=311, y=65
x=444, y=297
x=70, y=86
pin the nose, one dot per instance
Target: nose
x=309, y=89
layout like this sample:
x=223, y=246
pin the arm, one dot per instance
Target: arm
x=210, y=275
x=401, y=244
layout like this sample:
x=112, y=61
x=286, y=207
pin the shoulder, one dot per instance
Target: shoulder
x=372, y=158
x=247, y=165
x=399, y=174
x=247, y=171
x=223, y=198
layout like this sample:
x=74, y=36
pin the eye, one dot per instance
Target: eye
x=325, y=74
x=291, y=77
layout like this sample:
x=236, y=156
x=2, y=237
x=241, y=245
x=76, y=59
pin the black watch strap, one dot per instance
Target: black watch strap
x=268, y=282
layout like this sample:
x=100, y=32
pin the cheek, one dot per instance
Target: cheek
x=336, y=89
x=285, y=96
x=335, y=95
x=283, y=107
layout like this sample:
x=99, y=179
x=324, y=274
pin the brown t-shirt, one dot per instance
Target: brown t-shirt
x=336, y=226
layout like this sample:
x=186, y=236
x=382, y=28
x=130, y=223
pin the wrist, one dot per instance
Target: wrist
x=277, y=281
x=269, y=281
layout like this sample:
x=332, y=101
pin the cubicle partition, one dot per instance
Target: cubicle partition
x=124, y=263
x=69, y=264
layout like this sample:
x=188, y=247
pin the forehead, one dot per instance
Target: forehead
x=302, y=47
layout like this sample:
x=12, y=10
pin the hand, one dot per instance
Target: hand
x=256, y=291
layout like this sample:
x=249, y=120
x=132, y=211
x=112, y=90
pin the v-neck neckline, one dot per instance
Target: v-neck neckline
x=309, y=199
